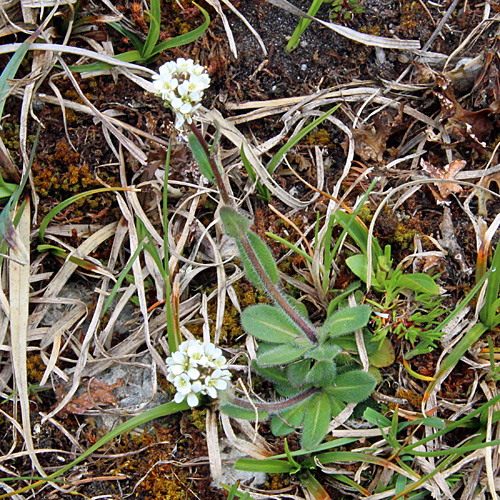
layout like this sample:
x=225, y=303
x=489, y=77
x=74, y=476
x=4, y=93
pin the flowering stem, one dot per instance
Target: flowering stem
x=275, y=294
x=277, y=406
x=218, y=178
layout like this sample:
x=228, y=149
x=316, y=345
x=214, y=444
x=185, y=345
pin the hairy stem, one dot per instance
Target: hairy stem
x=275, y=294
x=276, y=406
x=218, y=178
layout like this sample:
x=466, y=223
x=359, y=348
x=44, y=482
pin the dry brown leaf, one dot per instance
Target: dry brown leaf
x=97, y=394
x=447, y=173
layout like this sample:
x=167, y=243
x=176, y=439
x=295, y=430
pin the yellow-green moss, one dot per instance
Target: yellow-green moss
x=319, y=137
x=198, y=418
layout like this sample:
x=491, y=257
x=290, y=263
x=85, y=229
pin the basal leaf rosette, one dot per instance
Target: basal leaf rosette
x=196, y=369
x=181, y=85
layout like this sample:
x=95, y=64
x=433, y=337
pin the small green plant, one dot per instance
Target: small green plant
x=344, y=10
x=393, y=285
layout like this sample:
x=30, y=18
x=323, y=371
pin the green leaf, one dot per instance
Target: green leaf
x=359, y=233
x=201, y=157
x=322, y=374
x=353, y=386
x=376, y=418
x=154, y=29
x=418, y=282
x=384, y=356
x=300, y=307
x=296, y=373
x=294, y=416
x=271, y=373
x=247, y=165
x=186, y=37
x=267, y=465
x=316, y=421
x=235, y=224
x=324, y=351
x=236, y=411
x=264, y=256
x=278, y=354
x=10, y=70
x=347, y=320
x=269, y=324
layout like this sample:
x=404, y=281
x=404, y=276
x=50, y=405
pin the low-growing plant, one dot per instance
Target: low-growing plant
x=394, y=285
x=305, y=363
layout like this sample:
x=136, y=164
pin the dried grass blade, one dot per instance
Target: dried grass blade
x=19, y=307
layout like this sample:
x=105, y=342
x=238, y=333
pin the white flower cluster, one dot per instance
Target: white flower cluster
x=181, y=85
x=195, y=369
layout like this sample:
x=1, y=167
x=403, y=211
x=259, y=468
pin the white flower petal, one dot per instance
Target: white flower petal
x=193, y=373
x=196, y=386
x=179, y=398
x=192, y=400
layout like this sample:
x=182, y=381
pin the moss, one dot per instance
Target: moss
x=278, y=481
x=319, y=137
x=198, y=418
x=35, y=368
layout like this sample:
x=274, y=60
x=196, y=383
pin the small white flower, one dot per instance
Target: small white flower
x=181, y=85
x=197, y=368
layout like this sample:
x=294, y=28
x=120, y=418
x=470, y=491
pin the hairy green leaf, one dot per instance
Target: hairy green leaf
x=269, y=324
x=235, y=224
x=322, y=374
x=324, y=351
x=347, y=320
x=278, y=354
x=235, y=411
x=294, y=416
x=296, y=373
x=353, y=386
x=271, y=373
x=316, y=421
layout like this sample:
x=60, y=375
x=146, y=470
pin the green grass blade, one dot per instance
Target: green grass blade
x=154, y=29
x=186, y=38
x=298, y=137
x=302, y=26
x=139, y=46
x=12, y=66
x=61, y=206
x=122, y=277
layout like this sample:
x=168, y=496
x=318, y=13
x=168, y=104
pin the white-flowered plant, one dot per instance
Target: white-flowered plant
x=181, y=85
x=197, y=368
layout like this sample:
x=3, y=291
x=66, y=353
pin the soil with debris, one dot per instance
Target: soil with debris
x=169, y=459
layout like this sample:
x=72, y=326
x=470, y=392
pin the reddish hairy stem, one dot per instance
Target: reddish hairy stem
x=277, y=406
